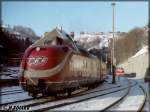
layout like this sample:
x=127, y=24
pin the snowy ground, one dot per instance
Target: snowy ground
x=146, y=107
x=130, y=103
x=10, y=73
x=103, y=96
x=8, y=93
x=14, y=88
x=14, y=97
x=98, y=102
x=10, y=96
x=140, y=52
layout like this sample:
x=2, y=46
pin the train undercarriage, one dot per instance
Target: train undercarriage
x=55, y=89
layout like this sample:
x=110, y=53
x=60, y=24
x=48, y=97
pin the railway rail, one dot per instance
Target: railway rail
x=73, y=99
x=118, y=106
x=8, y=92
x=144, y=100
x=79, y=96
x=100, y=95
x=11, y=92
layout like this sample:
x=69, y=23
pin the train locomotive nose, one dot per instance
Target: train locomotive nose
x=41, y=62
x=46, y=58
x=39, y=65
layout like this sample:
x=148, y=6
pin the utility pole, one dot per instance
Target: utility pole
x=113, y=79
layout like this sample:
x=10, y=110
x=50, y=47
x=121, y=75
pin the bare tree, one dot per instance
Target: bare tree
x=127, y=45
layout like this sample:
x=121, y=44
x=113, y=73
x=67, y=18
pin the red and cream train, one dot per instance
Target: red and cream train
x=55, y=64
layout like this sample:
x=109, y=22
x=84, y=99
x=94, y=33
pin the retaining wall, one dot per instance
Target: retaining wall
x=137, y=65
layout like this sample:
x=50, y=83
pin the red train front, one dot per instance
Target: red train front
x=54, y=64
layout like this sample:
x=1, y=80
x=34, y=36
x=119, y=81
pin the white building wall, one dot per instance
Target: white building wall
x=137, y=65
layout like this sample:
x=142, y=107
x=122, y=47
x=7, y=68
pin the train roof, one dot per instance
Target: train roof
x=55, y=33
x=86, y=53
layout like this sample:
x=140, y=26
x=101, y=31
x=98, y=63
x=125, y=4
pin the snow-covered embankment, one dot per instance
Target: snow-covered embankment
x=137, y=63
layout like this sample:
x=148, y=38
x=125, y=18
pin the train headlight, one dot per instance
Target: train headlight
x=38, y=49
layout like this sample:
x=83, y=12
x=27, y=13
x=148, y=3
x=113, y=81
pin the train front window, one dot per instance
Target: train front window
x=69, y=40
x=47, y=42
x=57, y=37
x=59, y=41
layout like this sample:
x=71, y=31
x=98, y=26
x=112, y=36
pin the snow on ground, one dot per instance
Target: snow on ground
x=30, y=102
x=112, y=97
x=130, y=103
x=145, y=86
x=137, y=64
x=98, y=103
x=13, y=68
x=6, y=77
x=14, y=97
x=13, y=88
x=10, y=73
x=109, y=85
x=142, y=51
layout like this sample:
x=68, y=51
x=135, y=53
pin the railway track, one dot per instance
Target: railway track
x=31, y=100
x=144, y=100
x=45, y=104
x=14, y=101
x=122, y=104
x=101, y=95
x=51, y=103
x=6, y=94
x=7, y=91
x=11, y=92
x=14, y=98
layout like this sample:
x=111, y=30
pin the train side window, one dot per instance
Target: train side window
x=56, y=41
x=50, y=42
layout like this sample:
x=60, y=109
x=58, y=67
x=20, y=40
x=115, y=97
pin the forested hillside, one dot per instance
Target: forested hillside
x=129, y=44
x=11, y=45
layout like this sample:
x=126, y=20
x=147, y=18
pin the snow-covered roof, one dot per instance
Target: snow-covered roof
x=16, y=33
x=142, y=51
x=4, y=26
